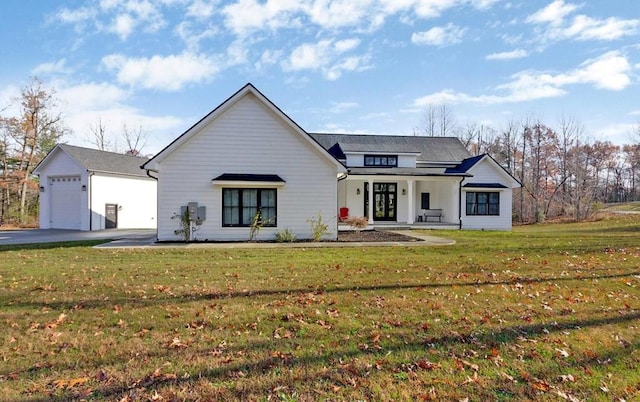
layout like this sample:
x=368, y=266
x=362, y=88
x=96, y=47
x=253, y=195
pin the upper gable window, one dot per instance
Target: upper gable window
x=381, y=160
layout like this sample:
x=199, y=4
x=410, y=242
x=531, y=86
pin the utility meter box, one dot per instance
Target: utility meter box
x=202, y=213
x=197, y=213
x=193, y=211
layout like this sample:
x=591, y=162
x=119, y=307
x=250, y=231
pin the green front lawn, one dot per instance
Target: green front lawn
x=546, y=312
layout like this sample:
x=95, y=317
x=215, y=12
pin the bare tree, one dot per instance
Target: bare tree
x=135, y=139
x=35, y=132
x=438, y=121
x=99, y=137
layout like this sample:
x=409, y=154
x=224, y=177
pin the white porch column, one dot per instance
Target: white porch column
x=371, y=201
x=410, y=202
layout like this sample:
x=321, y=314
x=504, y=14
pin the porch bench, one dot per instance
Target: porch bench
x=432, y=213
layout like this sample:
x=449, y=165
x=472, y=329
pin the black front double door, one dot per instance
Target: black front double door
x=384, y=201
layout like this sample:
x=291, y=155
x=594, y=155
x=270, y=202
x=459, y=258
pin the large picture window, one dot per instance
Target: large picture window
x=483, y=203
x=240, y=205
x=381, y=160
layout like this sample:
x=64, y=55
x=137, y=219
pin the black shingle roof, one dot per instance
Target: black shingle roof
x=106, y=162
x=466, y=164
x=429, y=149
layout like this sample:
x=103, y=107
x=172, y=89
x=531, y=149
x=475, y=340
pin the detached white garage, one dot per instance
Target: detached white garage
x=88, y=189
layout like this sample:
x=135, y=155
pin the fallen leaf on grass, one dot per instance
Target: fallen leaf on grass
x=567, y=378
x=68, y=384
x=540, y=385
x=461, y=364
x=177, y=343
x=427, y=365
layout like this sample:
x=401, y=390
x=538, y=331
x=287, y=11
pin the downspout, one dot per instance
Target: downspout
x=90, y=191
x=460, y=203
x=340, y=178
x=157, y=206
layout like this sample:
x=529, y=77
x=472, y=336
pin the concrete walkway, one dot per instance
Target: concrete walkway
x=424, y=240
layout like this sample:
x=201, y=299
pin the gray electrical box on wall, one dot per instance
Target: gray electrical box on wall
x=197, y=213
x=202, y=213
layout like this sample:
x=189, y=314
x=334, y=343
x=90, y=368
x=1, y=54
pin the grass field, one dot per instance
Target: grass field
x=546, y=312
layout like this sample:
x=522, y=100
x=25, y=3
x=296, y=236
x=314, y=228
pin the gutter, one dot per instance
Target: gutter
x=460, y=203
x=90, y=191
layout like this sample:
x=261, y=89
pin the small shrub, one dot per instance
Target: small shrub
x=185, y=225
x=257, y=223
x=318, y=227
x=357, y=222
x=285, y=236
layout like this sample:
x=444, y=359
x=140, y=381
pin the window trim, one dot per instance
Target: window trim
x=475, y=204
x=259, y=191
x=373, y=158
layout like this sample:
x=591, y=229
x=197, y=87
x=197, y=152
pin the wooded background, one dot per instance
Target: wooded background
x=563, y=172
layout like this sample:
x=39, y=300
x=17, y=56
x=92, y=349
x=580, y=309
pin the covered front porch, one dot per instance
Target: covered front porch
x=423, y=202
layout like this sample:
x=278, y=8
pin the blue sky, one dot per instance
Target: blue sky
x=352, y=66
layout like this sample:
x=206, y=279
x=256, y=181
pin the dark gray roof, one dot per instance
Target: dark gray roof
x=402, y=171
x=429, y=149
x=95, y=160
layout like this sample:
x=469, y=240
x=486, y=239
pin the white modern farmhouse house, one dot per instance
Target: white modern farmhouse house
x=247, y=156
x=419, y=180
x=88, y=189
x=243, y=157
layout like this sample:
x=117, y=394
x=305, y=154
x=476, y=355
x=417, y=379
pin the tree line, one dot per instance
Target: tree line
x=563, y=173
x=30, y=127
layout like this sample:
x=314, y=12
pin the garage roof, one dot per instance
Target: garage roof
x=95, y=160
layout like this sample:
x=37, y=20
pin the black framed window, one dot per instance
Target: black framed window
x=240, y=205
x=381, y=160
x=483, y=203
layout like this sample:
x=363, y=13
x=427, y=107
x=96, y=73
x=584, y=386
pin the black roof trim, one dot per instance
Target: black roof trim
x=249, y=177
x=484, y=185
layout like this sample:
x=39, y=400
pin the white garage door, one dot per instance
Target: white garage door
x=65, y=196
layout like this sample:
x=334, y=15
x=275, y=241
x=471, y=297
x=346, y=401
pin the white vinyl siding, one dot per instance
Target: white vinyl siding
x=134, y=196
x=486, y=172
x=247, y=138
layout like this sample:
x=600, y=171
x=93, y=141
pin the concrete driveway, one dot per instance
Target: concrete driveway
x=31, y=236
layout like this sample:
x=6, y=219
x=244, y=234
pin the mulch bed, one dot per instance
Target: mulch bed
x=372, y=236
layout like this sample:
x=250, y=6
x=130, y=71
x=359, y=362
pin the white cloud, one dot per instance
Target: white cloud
x=439, y=36
x=618, y=133
x=79, y=15
x=555, y=24
x=327, y=56
x=168, y=73
x=345, y=45
x=513, y=54
x=246, y=16
x=553, y=14
x=611, y=71
x=339, y=13
x=201, y=9
x=268, y=58
x=83, y=105
x=8, y=104
x=122, y=26
x=123, y=16
x=341, y=107
x=586, y=28
x=57, y=67
x=192, y=34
